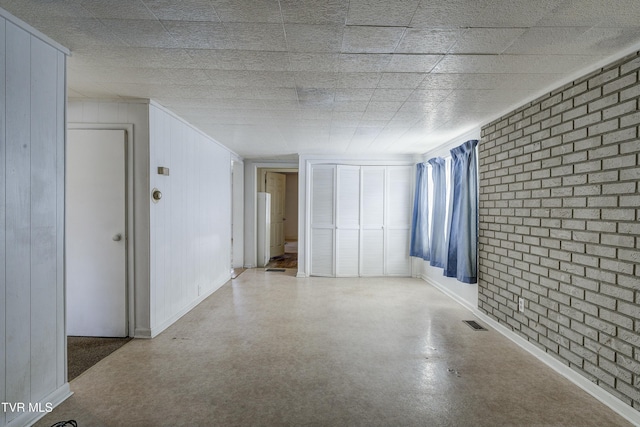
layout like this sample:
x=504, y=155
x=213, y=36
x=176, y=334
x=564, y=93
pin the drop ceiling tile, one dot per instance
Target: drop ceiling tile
x=264, y=61
x=307, y=79
x=574, y=40
x=136, y=57
x=353, y=94
x=440, y=81
x=429, y=95
x=613, y=13
x=185, y=10
x=315, y=96
x=198, y=35
x=347, y=105
x=218, y=59
x=118, y=9
x=364, y=63
x=188, y=75
x=384, y=106
x=346, y=116
x=269, y=94
x=381, y=12
x=449, y=14
x=377, y=117
x=412, y=63
x=313, y=38
x=400, y=80
x=258, y=36
x=265, y=11
x=142, y=33
x=74, y=33
x=28, y=10
x=371, y=39
x=428, y=40
x=518, y=64
x=517, y=13
x=358, y=80
x=486, y=40
x=314, y=11
x=391, y=94
x=313, y=61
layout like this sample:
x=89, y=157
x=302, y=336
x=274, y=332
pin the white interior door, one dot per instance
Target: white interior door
x=322, y=220
x=95, y=233
x=276, y=186
x=398, y=220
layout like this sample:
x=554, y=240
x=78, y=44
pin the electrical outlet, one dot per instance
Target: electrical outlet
x=520, y=304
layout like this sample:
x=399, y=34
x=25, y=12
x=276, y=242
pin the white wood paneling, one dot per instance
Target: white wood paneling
x=190, y=234
x=32, y=352
x=3, y=175
x=18, y=214
x=43, y=219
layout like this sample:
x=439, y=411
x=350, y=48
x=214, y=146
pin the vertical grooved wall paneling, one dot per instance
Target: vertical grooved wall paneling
x=32, y=114
x=559, y=225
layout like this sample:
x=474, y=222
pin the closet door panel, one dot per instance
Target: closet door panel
x=322, y=252
x=347, y=253
x=372, y=253
x=399, y=207
x=322, y=220
x=348, y=221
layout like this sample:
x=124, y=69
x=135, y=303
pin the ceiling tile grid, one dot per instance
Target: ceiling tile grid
x=279, y=77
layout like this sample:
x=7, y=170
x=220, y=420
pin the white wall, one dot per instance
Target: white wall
x=190, y=239
x=126, y=115
x=32, y=131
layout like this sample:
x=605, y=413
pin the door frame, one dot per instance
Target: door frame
x=252, y=173
x=129, y=205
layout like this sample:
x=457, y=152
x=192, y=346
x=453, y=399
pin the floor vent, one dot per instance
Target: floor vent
x=279, y=270
x=474, y=325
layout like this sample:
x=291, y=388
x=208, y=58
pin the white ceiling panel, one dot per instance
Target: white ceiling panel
x=371, y=39
x=279, y=77
x=381, y=12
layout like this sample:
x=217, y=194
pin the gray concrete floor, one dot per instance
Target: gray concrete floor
x=268, y=349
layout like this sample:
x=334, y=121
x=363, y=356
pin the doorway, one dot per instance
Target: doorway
x=282, y=184
x=96, y=233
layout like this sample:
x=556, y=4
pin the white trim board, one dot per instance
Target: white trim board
x=55, y=399
x=600, y=394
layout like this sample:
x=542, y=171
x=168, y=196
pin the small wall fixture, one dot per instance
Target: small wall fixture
x=163, y=171
x=156, y=195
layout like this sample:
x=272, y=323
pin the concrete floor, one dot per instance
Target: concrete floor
x=268, y=349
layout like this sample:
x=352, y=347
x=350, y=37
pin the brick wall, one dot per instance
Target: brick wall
x=560, y=225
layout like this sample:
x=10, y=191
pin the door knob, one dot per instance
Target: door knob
x=117, y=237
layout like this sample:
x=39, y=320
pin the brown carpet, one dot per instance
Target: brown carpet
x=288, y=260
x=84, y=352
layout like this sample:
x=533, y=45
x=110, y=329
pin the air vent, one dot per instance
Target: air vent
x=279, y=270
x=474, y=325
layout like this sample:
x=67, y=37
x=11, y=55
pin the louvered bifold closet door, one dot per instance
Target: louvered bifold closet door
x=398, y=220
x=322, y=220
x=372, y=228
x=348, y=221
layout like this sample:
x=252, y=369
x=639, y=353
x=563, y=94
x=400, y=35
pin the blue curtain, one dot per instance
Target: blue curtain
x=461, y=261
x=420, y=223
x=439, y=211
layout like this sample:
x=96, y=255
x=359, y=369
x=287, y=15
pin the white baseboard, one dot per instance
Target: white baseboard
x=142, y=333
x=602, y=395
x=155, y=331
x=54, y=399
x=300, y=275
